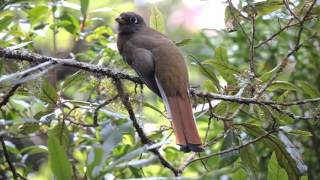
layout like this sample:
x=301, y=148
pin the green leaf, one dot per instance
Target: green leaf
x=229, y=141
x=145, y=104
x=309, y=89
x=34, y=149
x=72, y=79
x=60, y=24
x=282, y=85
x=226, y=108
x=220, y=54
x=156, y=20
x=57, y=147
x=48, y=93
x=266, y=76
x=183, y=42
x=37, y=13
x=231, y=16
x=208, y=72
x=283, y=76
x=249, y=158
x=138, y=163
x=300, y=133
x=240, y=174
x=129, y=156
x=275, y=172
x=285, y=160
x=5, y=22
x=98, y=156
x=226, y=70
x=112, y=137
x=264, y=8
x=84, y=7
x=73, y=27
x=95, y=158
x=209, y=86
x=28, y=128
x=224, y=67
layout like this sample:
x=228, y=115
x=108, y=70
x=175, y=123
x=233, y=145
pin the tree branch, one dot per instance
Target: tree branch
x=11, y=166
x=252, y=64
x=6, y=98
x=280, y=31
x=36, y=58
x=284, y=61
x=144, y=139
x=227, y=150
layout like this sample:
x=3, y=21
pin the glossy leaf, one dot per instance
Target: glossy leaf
x=28, y=128
x=5, y=22
x=95, y=157
x=208, y=72
x=229, y=141
x=48, y=93
x=264, y=8
x=38, y=13
x=308, y=89
x=72, y=79
x=138, y=163
x=282, y=85
x=284, y=158
x=58, y=141
x=231, y=18
x=35, y=149
x=226, y=70
x=220, y=54
x=240, y=174
x=249, y=158
x=275, y=172
x=183, y=42
x=300, y=133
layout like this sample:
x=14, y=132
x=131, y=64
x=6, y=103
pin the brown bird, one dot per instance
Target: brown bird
x=159, y=63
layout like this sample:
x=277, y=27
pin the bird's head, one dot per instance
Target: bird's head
x=130, y=22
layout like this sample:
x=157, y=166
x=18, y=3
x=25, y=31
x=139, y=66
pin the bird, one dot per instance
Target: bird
x=159, y=63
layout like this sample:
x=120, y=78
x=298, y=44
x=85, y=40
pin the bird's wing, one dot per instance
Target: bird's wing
x=142, y=61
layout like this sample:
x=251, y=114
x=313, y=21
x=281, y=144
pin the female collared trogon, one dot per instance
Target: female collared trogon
x=159, y=63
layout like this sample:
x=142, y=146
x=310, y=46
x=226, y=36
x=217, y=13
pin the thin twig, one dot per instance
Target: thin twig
x=228, y=150
x=252, y=64
x=6, y=98
x=285, y=2
x=7, y=157
x=31, y=57
x=284, y=61
x=280, y=31
x=245, y=100
x=238, y=23
x=144, y=139
x=96, y=110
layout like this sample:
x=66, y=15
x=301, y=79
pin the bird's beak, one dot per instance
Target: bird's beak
x=120, y=20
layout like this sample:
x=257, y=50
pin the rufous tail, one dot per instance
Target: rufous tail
x=184, y=125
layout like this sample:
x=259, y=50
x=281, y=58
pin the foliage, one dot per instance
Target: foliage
x=77, y=126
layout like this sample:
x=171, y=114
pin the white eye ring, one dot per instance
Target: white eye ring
x=134, y=20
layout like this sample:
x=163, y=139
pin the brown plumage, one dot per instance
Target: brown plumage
x=159, y=63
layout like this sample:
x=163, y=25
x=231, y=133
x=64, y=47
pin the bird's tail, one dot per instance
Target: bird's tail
x=184, y=125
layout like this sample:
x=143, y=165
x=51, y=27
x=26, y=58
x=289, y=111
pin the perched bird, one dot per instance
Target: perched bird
x=159, y=63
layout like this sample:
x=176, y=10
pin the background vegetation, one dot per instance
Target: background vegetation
x=72, y=109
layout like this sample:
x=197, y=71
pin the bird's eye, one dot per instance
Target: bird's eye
x=134, y=20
